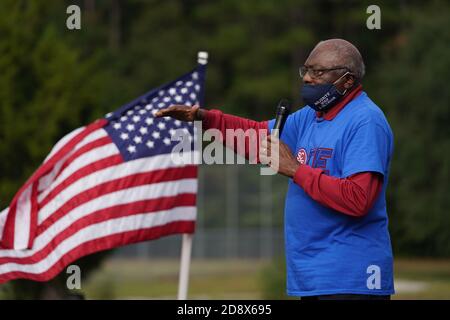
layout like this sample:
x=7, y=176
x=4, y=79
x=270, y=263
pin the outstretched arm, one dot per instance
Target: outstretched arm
x=216, y=119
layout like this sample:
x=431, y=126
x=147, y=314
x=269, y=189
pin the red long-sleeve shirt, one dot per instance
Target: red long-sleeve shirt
x=354, y=195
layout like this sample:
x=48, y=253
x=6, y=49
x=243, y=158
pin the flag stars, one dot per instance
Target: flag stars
x=143, y=130
x=138, y=133
x=156, y=135
x=166, y=141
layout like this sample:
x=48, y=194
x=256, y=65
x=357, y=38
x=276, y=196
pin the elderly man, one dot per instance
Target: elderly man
x=336, y=151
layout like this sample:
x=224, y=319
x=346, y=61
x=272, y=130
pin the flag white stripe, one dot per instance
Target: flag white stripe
x=103, y=229
x=130, y=195
x=94, y=135
x=23, y=219
x=46, y=180
x=108, y=174
x=3, y=215
x=85, y=159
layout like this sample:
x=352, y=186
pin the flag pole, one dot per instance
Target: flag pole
x=183, y=281
x=186, y=246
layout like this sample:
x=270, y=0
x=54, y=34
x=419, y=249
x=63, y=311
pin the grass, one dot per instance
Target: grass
x=433, y=275
x=240, y=279
x=158, y=279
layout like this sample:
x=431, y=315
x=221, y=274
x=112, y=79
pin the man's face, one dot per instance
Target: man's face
x=319, y=63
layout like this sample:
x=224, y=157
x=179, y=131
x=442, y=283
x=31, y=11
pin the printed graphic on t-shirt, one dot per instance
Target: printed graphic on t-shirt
x=317, y=157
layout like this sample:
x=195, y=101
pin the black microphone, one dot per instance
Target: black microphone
x=283, y=110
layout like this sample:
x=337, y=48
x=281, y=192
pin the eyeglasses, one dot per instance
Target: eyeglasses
x=316, y=73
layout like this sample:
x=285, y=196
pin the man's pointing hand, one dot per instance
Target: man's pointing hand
x=181, y=112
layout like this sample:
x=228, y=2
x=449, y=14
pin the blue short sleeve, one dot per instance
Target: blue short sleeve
x=367, y=149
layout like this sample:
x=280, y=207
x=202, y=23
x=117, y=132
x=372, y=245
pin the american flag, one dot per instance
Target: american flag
x=110, y=183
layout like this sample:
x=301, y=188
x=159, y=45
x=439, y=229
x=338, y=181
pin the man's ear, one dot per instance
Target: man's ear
x=349, y=81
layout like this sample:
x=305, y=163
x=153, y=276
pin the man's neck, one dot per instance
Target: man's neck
x=349, y=96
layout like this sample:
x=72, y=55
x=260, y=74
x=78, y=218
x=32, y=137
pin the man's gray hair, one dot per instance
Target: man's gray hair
x=347, y=55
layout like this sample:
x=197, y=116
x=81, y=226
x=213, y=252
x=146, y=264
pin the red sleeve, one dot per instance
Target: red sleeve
x=218, y=120
x=353, y=196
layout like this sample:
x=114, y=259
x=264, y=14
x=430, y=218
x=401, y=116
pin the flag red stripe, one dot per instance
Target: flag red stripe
x=34, y=214
x=104, y=243
x=139, y=179
x=7, y=240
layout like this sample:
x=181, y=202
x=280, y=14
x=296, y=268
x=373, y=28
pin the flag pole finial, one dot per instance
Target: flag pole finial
x=202, y=57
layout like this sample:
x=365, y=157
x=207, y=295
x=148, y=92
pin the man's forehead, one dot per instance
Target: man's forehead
x=321, y=57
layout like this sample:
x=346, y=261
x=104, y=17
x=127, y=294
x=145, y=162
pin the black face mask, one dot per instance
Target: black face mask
x=322, y=97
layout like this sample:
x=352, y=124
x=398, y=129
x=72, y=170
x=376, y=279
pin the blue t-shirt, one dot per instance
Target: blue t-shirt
x=329, y=252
